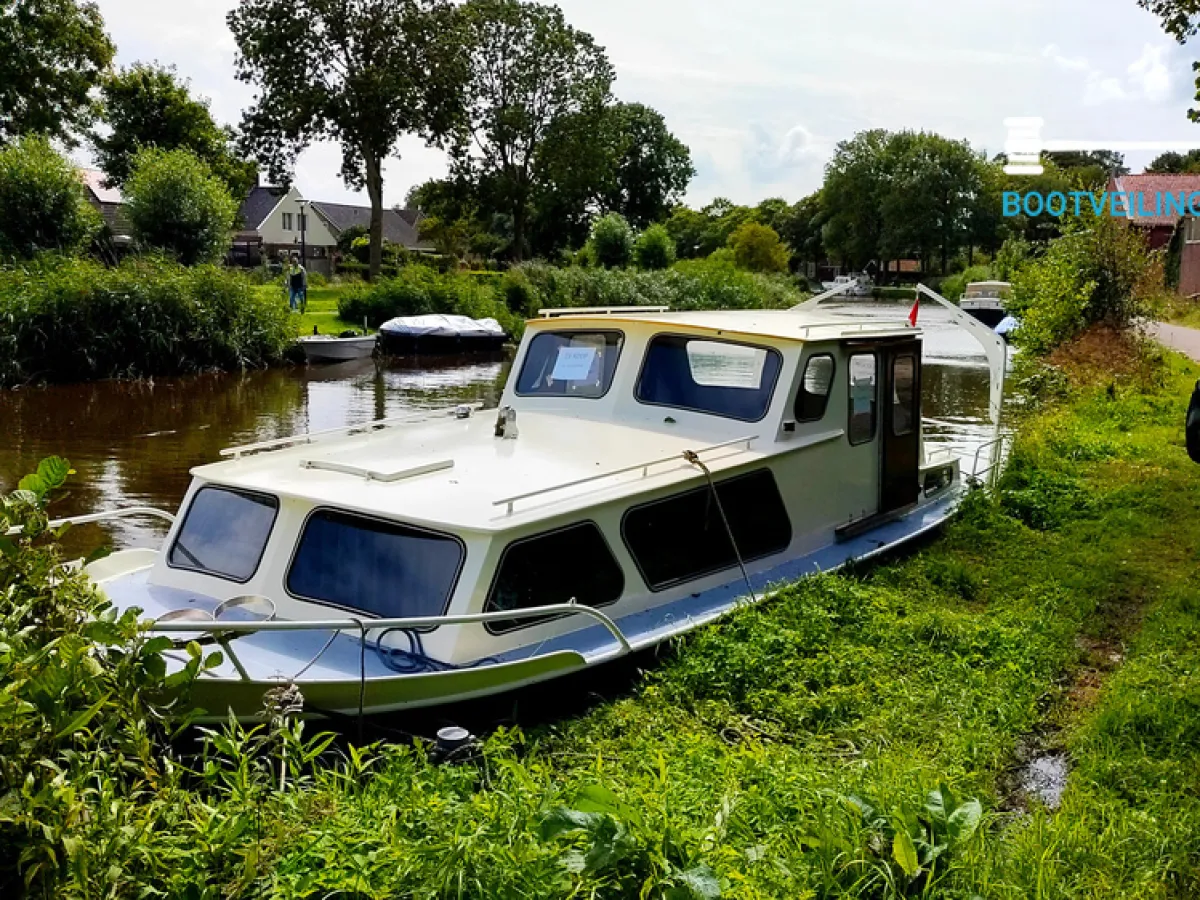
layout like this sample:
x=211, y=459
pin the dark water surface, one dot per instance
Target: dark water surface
x=134, y=443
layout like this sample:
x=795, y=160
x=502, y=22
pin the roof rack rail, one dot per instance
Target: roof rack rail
x=559, y=312
x=313, y=436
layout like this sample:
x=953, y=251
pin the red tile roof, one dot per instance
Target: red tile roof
x=1150, y=187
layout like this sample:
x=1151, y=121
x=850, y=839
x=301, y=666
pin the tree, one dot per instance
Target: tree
x=42, y=201
x=176, y=204
x=653, y=167
x=855, y=184
x=612, y=241
x=528, y=71
x=149, y=106
x=654, y=248
x=52, y=54
x=800, y=227
x=1091, y=169
x=758, y=248
x=1170, y=163
x=360, y=72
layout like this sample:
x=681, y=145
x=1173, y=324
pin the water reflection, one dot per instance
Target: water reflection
x=134, y=443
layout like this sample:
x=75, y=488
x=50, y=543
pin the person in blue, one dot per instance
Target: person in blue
x=297, y=282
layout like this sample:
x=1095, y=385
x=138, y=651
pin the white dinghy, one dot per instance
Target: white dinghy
x=646, y=473
x=330, y=349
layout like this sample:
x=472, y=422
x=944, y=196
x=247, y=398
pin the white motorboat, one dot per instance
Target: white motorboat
x=862, y=285
x=646, y=473
x=320, y=348
x=440, y=334
x=985, y=301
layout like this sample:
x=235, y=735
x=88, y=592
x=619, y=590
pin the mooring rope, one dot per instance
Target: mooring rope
x=692, y=457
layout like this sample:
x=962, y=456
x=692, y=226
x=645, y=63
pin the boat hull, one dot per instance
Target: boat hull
x=331, y=350
x=439, y=345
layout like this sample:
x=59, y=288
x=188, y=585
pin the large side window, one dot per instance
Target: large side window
x=718, y=377
x=904, y=400
x=815, y=388
x=383, y=568
x=864, y=379
x=570, y=364
x=224, y=533
x=683, y=537
x=552, y=568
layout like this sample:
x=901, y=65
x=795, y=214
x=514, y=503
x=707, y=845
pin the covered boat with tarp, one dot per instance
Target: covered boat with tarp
x=437, y=333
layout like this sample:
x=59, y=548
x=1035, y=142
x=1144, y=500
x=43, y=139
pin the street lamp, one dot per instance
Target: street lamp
x=303, y=228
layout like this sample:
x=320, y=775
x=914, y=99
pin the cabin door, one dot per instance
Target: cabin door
x=900, y=444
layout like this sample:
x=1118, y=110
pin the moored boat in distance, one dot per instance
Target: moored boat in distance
x=441, y=334
x=863, y=285
x=320, y=348
x=985, y=301
x=646, y=473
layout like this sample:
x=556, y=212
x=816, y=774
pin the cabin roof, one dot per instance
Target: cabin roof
x=548, y=453
x=776, y=324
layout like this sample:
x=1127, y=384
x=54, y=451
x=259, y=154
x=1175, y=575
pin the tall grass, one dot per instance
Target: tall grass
x=69, y=319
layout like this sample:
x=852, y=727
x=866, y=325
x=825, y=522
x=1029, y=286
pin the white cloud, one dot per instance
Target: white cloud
x=1069, y=63
x=1149, y=74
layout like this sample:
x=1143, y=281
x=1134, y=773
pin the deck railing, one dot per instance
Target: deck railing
x=127, y=512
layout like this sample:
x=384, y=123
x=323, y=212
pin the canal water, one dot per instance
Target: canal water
x=134, y=443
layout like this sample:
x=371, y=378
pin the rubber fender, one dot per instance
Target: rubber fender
x=1193, y=426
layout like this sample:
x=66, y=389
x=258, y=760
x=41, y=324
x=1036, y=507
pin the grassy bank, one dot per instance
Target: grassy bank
x=789, y=751
x=321, y=311
x=67, y=319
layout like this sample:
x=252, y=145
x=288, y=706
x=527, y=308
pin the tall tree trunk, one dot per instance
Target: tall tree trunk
x=375, y=192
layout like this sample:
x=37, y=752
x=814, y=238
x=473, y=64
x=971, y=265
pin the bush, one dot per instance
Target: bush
x=1099, y=271
x=65, y=319
x=758, y=248
x=612, y=241
x=42, y=202
x=176, y=205
x=654, y=249
x=419, y=290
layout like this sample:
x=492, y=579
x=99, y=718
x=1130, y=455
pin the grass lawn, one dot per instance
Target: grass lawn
x=322, y=311
x=1183, y=312
x=856, y=736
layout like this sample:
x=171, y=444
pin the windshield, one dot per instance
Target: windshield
x=570, y=364
x=224, y=533
x=717, y=377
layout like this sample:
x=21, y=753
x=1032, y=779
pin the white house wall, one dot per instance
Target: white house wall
x=317, y=233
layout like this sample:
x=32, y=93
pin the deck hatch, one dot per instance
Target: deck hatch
x=683, y=537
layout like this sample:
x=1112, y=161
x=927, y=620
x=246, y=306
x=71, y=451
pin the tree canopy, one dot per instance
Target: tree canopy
x=52, y=54
x=1171, y=163
x=529, y=72
x=360, y=72
x=42, y=201
x=150, y=106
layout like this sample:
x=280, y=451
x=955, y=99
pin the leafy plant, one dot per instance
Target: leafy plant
x=612, y=241
x=42, y=202
x=654, y=248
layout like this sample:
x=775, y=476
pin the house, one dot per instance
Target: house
x=279, y=221
x=1159, y=218
x=109, y=203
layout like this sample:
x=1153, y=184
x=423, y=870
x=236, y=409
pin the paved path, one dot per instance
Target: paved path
x=1176, y=337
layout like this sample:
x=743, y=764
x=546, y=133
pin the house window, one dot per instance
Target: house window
x=815, y=388
x=224, y=533
x=571, y=563
x=904, y=400
x=863, y=400
x=721, y=378
x=287, y=221
x=570, y=364
x=684, y=537
x=1192, y=231
x=381, y=568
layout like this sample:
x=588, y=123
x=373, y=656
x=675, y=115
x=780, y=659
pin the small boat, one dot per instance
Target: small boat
x=863, y=286
x=436, y=334
x=646, y=473
x=321, y=348
x=985, y=301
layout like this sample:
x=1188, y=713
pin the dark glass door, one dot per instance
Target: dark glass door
x=901, y=425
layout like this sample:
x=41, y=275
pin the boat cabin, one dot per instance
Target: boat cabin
x=655, y=466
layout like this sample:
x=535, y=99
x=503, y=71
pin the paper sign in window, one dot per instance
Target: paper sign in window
x=574, y=363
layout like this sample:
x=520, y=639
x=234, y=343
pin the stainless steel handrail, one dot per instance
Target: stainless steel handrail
x=559, y=312
x=313, y=436
x=559, y=609
x=996, y=462
x=509, y=501
x=125, y=513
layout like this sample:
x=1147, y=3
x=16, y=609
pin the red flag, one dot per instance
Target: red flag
x=912, y=316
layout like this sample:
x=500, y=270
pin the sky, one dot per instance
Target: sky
x=763, y=90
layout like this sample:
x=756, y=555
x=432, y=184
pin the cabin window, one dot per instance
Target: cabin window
x=383, y=568
x=552, y=568
x=815, y=388
x=570, y=364
x=721, y=378
x=863, y=381
x=224, y=533
x=904, y=400
x=684, y=537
